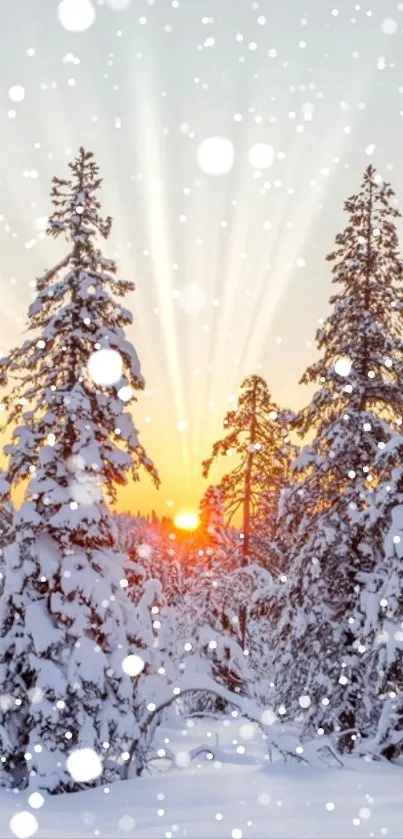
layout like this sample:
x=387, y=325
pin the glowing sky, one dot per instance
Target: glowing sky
x=229, y=268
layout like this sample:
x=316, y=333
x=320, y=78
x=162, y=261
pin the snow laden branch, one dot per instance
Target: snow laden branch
x=53, y=272
x=286, y=744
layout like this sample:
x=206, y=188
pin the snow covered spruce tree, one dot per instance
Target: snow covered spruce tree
x=258, y=440
x=384, y=615
x=329, y=522
x=63, y=621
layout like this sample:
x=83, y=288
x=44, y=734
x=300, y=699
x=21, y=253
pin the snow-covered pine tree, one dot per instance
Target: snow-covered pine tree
x=384, y=610
x=258, y=440
x=334, y=536
x=63, y=624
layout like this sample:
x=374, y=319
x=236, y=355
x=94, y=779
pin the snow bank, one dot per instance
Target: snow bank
x=239, y=797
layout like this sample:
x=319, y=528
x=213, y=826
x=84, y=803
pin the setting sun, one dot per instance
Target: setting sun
x=187, y=521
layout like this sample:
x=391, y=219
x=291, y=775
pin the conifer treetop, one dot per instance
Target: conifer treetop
x=258, y=439
x=363, y=331
x=77, y=197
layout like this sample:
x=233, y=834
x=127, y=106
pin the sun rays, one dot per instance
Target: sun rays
x=229, y=268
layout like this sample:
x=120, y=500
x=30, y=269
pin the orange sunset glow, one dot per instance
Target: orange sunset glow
x=187, y=521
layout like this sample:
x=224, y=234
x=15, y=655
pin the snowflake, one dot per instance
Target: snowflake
x=216, y=155
x=105, y=367
x=16, y=93
x=261, y=156
x=84, y=765
x=389, y=26
x=343, y=367
x=23, y=825
x=133, y=665
x=36, y=800
x=76, y=15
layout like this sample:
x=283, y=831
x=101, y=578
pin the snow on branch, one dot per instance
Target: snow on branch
x=247, y=707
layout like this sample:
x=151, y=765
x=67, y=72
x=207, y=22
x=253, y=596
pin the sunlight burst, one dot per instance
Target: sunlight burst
x=187, y=521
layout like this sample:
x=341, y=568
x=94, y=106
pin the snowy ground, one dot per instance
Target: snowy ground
x=237, y=797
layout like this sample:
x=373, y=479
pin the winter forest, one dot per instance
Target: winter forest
x=233, y=672
x=295, y=619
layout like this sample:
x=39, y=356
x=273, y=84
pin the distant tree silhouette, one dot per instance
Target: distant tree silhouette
x=212, y=516
x=258, y=441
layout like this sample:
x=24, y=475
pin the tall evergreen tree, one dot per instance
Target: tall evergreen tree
x=334, y=537
x=63, y=624
x=258, y=440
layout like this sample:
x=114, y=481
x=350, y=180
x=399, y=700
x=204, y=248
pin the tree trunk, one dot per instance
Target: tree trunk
x=247, y=511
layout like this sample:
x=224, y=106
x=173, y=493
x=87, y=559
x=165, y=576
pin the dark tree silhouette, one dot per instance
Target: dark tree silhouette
x=258, y=441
